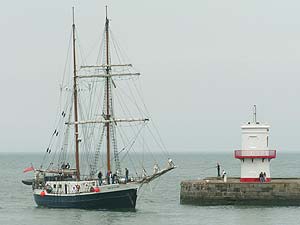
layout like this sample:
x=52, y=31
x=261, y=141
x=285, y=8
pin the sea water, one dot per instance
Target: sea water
x=158, y=203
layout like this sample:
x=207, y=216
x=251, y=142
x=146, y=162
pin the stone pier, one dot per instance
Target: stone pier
x=213, y=191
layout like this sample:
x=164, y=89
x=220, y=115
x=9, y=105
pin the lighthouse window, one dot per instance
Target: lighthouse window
x=267, y=141
x=252, y=160
x=59, y=186
x=54, y=185
x=263, y=160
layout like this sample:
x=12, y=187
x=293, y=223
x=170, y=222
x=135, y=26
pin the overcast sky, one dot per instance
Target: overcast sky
x=204, y=64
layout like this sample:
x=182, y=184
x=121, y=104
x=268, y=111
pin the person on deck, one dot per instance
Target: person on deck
x=126, y=175
x=170, y=163
x=155, y=168
x=68, y=166
x=114, y=178
x=100, y=178
x=108, y=177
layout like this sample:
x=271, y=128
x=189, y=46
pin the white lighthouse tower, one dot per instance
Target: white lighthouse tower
x=255, y=155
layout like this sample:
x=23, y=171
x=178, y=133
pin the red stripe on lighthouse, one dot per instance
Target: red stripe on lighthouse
x=251, y=180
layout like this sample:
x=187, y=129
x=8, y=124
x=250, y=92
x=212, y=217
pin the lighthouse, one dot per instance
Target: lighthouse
x=255, y=155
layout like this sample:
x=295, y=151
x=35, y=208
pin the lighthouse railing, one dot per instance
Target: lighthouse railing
x=269, y=154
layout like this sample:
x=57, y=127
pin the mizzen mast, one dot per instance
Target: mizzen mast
x=107, y=113
x=75, y=102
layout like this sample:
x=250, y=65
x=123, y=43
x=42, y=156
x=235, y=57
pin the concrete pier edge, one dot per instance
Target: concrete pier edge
x=214, y=191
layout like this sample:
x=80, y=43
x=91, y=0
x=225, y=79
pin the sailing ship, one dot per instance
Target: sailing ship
x=95, y=126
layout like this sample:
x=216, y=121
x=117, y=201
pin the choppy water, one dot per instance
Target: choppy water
x=157, y=204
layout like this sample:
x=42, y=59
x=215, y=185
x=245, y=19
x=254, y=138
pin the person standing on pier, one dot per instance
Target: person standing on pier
x=261, y=177
x=224, y=176
x=218, y=169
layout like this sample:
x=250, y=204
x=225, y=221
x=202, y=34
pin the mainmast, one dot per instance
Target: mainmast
x=75, y=103
x=107, y=116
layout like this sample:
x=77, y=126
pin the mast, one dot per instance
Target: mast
x=75, y=102
x=107, y=116
x=254, y=114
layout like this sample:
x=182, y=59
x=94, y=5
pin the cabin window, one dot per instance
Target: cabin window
x=54, y=185
x=252, y=160
x=267, y=141
x=263, y=160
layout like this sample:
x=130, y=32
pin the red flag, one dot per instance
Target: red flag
x=28, y=169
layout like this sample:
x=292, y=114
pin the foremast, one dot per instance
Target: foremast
x=75, y=101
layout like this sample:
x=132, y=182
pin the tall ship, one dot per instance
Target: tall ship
x=93, y=160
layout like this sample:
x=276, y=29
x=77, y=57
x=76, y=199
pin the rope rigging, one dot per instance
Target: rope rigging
x=127, y=102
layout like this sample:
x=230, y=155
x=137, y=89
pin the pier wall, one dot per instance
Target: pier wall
x=216, y=192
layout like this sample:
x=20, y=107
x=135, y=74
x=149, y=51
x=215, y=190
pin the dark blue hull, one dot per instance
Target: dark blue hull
x=123, y=199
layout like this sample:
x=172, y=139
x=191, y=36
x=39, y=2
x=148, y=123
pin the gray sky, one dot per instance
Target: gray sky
x=204, y=64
